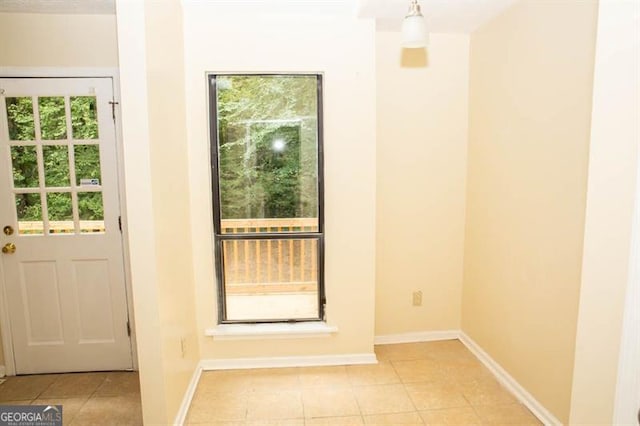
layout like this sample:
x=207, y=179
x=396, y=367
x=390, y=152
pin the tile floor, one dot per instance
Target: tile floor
x=87, y=398
x=418, y=383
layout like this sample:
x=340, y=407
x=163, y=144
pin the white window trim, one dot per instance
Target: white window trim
x=271, y=330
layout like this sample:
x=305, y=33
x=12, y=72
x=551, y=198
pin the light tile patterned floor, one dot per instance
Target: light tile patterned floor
x=86, y=398
x=418, y=383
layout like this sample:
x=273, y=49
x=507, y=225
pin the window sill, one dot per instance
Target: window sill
x=271, y=331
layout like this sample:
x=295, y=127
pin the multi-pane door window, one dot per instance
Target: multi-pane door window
x=55, y=157
x=266, y=150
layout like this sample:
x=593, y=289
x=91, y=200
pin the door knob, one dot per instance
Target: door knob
x=9, y=248
x=8, y=230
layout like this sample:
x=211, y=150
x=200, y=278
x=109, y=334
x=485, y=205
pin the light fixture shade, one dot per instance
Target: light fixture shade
x=414, y=32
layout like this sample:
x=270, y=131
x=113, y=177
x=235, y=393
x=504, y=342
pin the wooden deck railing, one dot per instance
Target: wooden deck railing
x=270, y=266
x=251, y=266
x=60, y=227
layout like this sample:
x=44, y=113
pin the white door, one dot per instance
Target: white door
x=59, y=211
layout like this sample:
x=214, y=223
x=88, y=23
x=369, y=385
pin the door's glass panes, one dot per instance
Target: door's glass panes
x=84, y=120
x=24, y=162
x=56, y=165
x=91, y=212
x=29, y=213
x=20, y=119
x=53, y=121
x=87, y=160
x=59, y=207
x=268, y=152
x=271, y=279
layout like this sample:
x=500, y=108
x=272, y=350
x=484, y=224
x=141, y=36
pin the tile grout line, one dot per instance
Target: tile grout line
x=355, y=398
x=404, y=387
x=50, y=384
x=99, y=386
x=84, y=403
x=353, y=392
x=432, y=409
x=301, y=392
x=473, y=408
x=58, y=378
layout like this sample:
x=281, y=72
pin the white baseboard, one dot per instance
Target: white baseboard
x=3, y=371
x=287, y=361
x=510, y=383
x=181, y=416
x=500, y=373
x=423, y=336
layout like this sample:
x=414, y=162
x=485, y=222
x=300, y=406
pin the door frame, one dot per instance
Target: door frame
x=47, y=72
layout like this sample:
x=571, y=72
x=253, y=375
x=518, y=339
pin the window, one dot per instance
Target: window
x=47, y=135
x=266, y=160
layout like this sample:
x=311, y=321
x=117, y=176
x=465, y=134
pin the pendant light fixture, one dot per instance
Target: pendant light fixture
x=414, y=28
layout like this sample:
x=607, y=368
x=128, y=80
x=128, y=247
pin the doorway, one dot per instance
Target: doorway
x=62, y=249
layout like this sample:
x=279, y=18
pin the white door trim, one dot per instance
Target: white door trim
x=48, y=72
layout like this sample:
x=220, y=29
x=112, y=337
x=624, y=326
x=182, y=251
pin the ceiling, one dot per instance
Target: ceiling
x=443, y=16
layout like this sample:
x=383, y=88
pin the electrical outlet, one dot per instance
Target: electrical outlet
x=417, y=298
x=183, y=346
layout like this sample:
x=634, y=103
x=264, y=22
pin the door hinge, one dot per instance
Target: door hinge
x=113, y=104
x=128, y=328
x=120, y=223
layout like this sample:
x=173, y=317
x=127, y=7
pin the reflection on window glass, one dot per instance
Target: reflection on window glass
x=268, y=147
x=53, y=122
x=87, y=159
x=29, y=213
x=59, y=207
x=24, y=161
x=84, y=120
x=56, y=165
x=91, y=212
x=20, y=119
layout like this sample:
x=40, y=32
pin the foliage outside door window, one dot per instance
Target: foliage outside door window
x=56, y=136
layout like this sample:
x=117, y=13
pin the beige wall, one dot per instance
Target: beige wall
x=530, y=106
x=46, y=40
x=139, y=229
x=217, y=42
x=613, y=161
x=153, y=121
x=170, y=193
x=422, y=106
